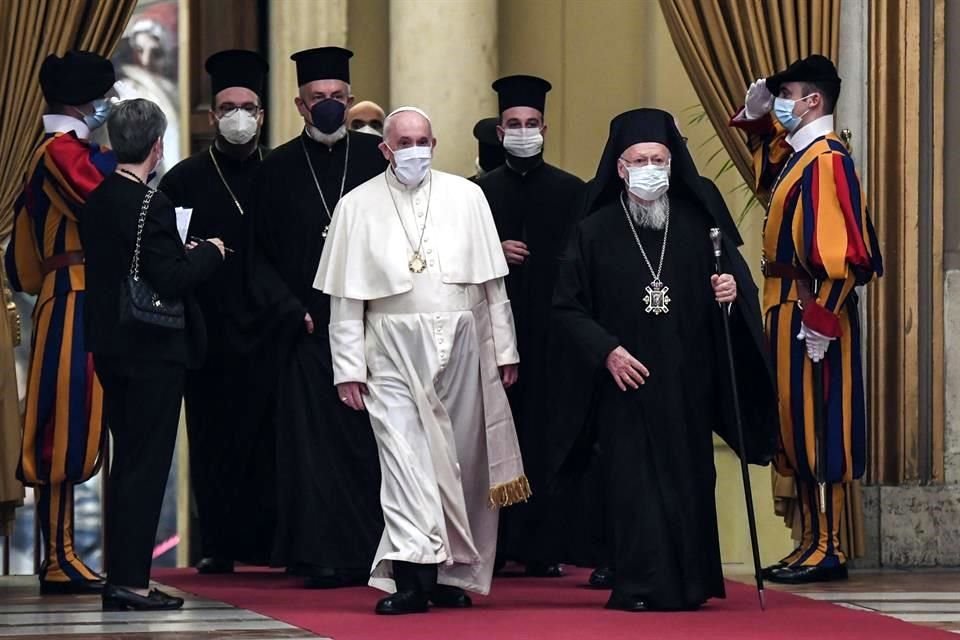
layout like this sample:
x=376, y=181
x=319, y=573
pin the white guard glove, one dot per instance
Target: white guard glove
x=124, y=91
x=817, y=343
x=759, y=100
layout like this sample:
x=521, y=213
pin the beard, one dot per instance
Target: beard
x=328, y=139
x=650, y=215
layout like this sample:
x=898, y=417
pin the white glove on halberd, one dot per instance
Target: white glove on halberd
x=759, y=100
x=124, y=91
x=817, y=343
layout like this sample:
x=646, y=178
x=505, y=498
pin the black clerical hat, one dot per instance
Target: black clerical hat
x=522, y=91
x=490, y=149
x=322, y=63
x=237, y=68
x=815, y=69
x=654, y=125
x=78, y=77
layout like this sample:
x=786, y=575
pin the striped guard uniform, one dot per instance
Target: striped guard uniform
x=816, y=223
x=63, y=422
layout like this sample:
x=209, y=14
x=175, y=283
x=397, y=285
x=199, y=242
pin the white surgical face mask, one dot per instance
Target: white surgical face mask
x=412, y=164
x=525, y=142
x=648, y=182
x=368, y=129
x=238, y=128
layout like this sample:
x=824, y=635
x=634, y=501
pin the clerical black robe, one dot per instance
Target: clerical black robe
x=539, y=208
x=328, y=476
x=656, y=443
x=227, y=399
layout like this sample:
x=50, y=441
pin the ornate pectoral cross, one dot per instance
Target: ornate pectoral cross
x=657, y=298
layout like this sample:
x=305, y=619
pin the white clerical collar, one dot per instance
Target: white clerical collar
x=804, y=136
x=396, y=184
x=59, y=123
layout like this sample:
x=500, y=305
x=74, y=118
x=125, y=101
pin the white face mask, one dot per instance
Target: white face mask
x=648, y=182
x=412, y=164
x=525, y=142
x=238, y=128
x=368, y=129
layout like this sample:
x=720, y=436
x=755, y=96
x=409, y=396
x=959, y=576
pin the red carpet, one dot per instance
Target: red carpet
x=535, y=609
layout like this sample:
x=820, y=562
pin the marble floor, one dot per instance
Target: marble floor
x=929, y=598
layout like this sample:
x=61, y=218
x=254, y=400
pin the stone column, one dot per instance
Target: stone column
x=443, y=58
x=296, y=25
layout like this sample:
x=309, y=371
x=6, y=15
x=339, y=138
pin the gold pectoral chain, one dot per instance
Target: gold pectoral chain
x=416, y=264
x=657, y=300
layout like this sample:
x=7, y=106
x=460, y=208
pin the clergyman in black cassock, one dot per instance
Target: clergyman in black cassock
x=328, y=477
x=653, y=337
x=227, y=399
x=535, y=206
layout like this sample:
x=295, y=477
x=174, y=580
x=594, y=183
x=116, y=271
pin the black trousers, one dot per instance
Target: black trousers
x=142, y=405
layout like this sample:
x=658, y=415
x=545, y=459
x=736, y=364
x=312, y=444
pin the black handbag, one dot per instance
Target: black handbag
x=139, y=303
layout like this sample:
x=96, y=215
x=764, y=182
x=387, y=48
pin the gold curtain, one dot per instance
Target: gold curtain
x=901, y=103
x=727, y=44
x=29, y=31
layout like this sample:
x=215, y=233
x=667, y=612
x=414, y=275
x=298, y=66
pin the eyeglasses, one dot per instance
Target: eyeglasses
x=640, y=162
x=227, y=109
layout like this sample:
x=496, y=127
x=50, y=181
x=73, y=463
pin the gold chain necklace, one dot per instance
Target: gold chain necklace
x=416, y=264
x=226, y=185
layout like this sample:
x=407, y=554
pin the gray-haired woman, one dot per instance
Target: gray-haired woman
x=140, y=365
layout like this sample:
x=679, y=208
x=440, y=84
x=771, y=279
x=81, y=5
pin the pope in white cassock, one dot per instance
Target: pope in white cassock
x=422, y=337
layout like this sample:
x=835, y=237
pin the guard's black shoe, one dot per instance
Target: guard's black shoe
x=805, y=575
x=544, y=570
x=120, y=599
x=623, y=602
x=445, y=596
x=402, y=602
x=212, y=566
x=72, y=587
x=601, y=578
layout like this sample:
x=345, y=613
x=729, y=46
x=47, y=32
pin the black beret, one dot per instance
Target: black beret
x=815, y=69
x=77, y=78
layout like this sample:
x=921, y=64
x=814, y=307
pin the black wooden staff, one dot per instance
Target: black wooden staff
x=717, y=240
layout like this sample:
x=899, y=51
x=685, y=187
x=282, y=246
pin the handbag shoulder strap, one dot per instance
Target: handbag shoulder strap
x=135, y=263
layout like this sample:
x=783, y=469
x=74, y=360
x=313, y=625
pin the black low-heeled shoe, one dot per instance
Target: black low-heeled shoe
x=403, y=602
x=120, y=599
x=445, y=596
x=214, y=566
x=544, y=570
x=623, y=602
x=601, y=578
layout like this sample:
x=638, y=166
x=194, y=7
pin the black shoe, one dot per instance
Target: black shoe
x=445, y=596
x=805, y=575
x=73, y=587
x=211, y=566
x=623, y=602
x=120, y=599
x=336, y=578
x=169, y=602
x=402, y=602
x=544, y=570
x=601, y=578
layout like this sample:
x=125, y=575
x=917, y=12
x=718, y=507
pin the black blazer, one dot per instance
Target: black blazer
x=108, y=231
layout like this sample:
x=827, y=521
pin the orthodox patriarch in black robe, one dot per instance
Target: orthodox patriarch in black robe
x=655, y=442
x=328, y=476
